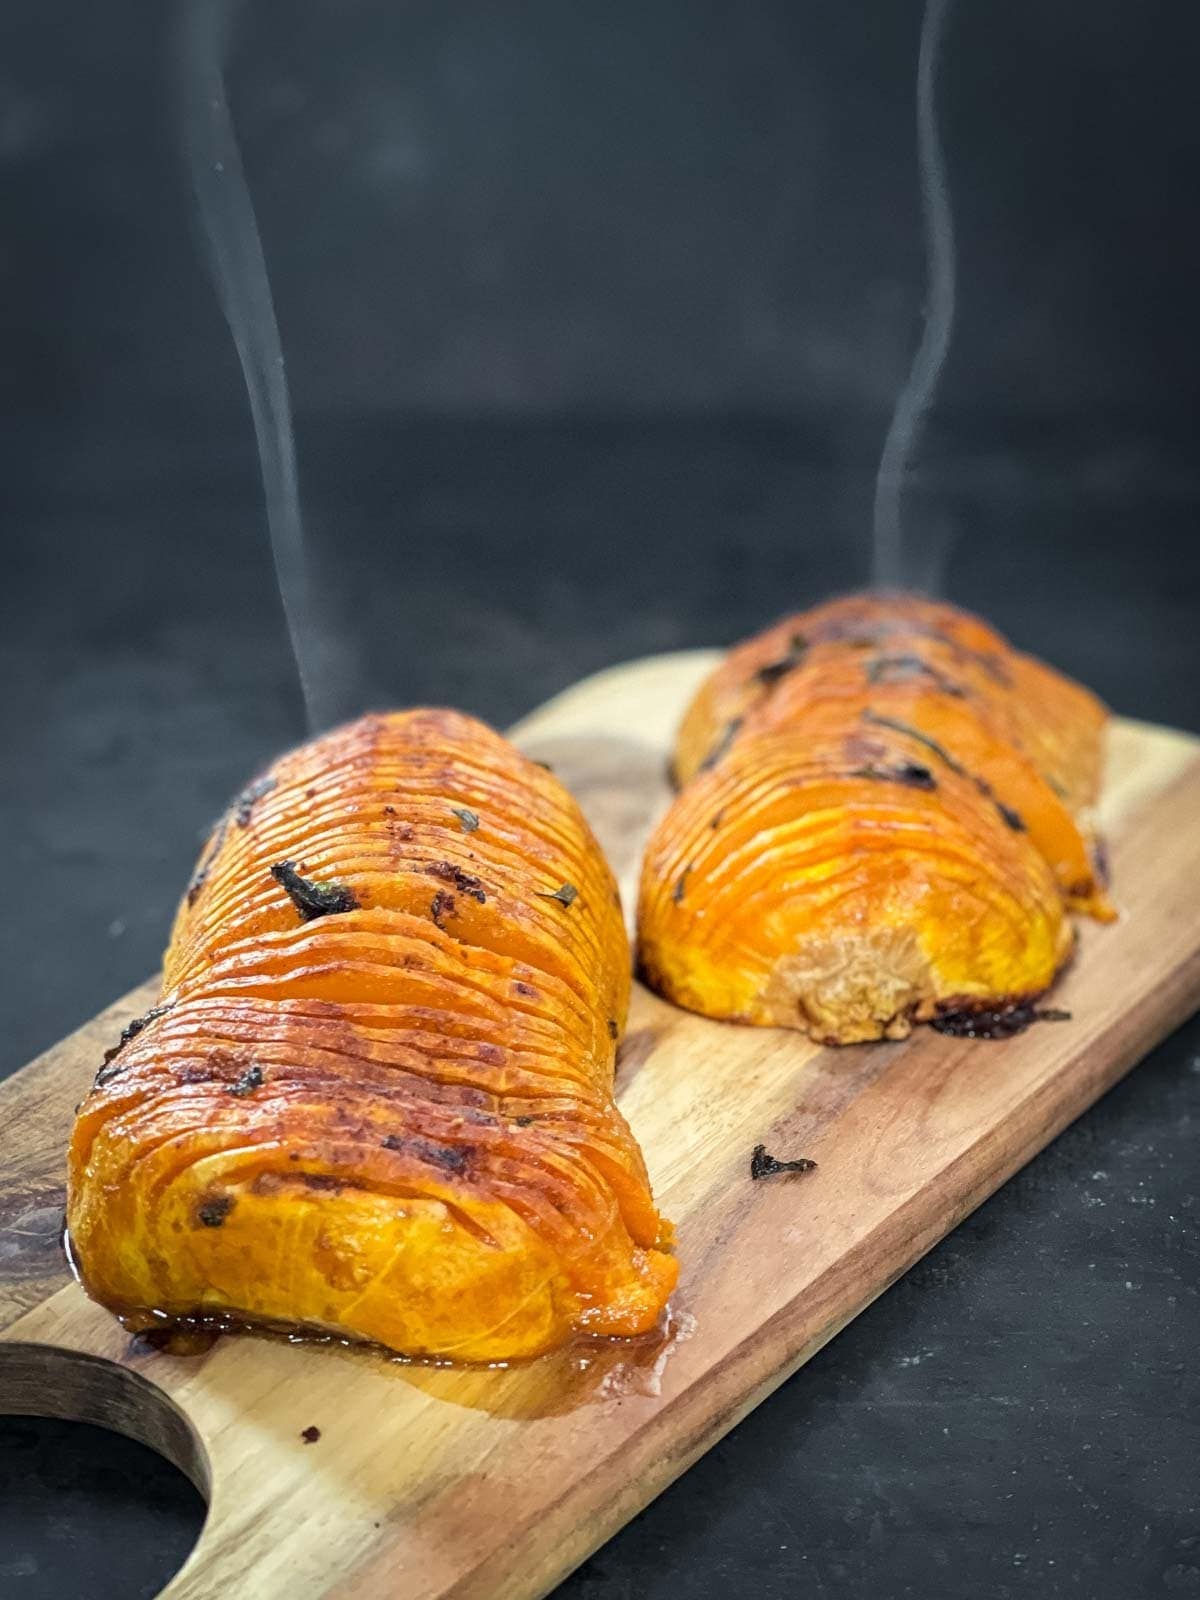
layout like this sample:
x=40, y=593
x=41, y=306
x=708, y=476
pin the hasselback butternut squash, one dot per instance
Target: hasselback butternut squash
x=883, y=818
x=376, y=1098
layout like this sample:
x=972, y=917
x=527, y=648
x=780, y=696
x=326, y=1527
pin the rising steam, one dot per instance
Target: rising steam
x=894, y=564
x=239, y=273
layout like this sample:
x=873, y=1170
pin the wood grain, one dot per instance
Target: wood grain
x=429, y=1482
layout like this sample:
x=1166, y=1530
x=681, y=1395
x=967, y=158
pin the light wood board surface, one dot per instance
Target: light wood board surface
x=430, y=1482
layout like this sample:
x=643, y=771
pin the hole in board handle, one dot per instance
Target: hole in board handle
x=130, y=1521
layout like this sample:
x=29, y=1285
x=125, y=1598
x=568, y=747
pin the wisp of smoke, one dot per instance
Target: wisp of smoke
x=895, y=565
x=239, y=273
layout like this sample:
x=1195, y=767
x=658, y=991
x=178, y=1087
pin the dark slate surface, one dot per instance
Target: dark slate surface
x=594, y=320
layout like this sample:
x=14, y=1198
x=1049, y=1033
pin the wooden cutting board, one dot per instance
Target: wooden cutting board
x=429, y=1482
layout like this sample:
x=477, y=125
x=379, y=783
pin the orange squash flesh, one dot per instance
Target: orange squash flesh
x=377, y=1096
x=884, y=817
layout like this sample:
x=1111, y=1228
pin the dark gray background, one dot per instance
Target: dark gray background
x=594, y=319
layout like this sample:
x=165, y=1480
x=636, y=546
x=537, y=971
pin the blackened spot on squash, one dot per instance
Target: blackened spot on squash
x=212, y=1213
x=312, y=899
x=614, y=1031
x=129, y=1031
x=526, y=989
x=522, y=1122
x=200, y=876
x=389, y=811
x=909, y=773
x=680, y=889
x=1014, y=819
x=442, y=905
x=717, y=820
x=910, y=732
x=321, y=1182
x=310, y=1435
x=465, y=882
x=907, y=668
x=450, y=1157
x=728, y=734
x=194, y=1074
x=1000, y=1021
x=243, y=806
x=250, y=1080
x=770, y=674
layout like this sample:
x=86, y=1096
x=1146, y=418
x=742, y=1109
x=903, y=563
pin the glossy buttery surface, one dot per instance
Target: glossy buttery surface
x=884, y=819
x=376, y=1095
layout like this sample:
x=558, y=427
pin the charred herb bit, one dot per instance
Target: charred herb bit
x=312, y=899
x=212, y=1213
x=564, y=894
x=680, y=889
x=994, y=666
x=465, y=882
x=728, y=734
x=310, y=1435
x=770, y=674
x=996, y=1022
x=132, y=1029
x=910, y=773
x=243, y=806
x=717, y=820
x=250, y=1080
x=204, y=866
x=111, y=1067
x=910, y=732
x=523, y=1122
x=197, y=881
x=1014, y=819
x=903, y=669
x=450, y=1157
x=466, y=817
x=614, y=1031
x=764, y=1166
x=440, y=906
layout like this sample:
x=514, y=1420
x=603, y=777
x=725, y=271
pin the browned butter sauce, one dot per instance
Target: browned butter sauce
x=586, y=1371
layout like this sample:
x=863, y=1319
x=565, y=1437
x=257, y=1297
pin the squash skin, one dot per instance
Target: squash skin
x=393, y=1122
x=884, y=817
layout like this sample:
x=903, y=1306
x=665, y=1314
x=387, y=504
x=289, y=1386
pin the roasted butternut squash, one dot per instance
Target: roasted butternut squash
x=376, y=1098
x=884, y=819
